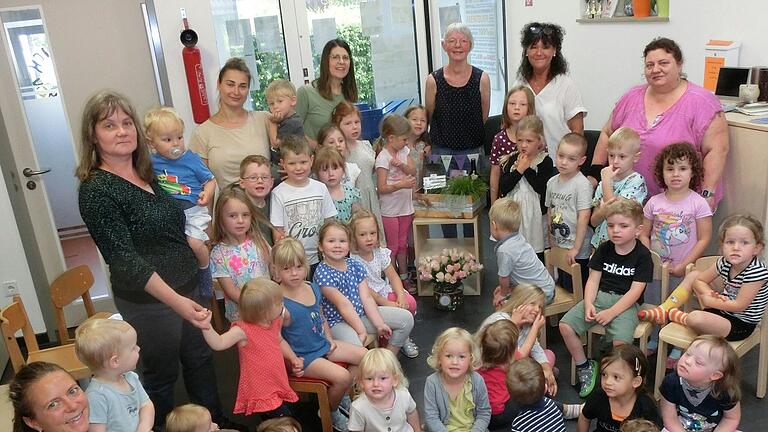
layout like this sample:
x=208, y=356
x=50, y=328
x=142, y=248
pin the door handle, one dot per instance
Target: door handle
x=29, y=172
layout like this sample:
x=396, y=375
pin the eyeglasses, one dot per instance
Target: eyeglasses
x=539, y=28
x=340, y=58
x=255, y=179
x=453, y=41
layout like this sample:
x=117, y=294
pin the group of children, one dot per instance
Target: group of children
x=308, y=283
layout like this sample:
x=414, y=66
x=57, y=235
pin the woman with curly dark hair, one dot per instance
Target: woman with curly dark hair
x=544, y=69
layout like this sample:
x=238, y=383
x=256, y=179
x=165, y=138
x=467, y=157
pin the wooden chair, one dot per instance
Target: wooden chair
x=681, y=336
x=644, y=329
x=555, y=258
x=73, y=283
x=14, y=318
x=319, y=388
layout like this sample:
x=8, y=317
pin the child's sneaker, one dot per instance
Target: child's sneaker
x=409, y=286
x=344, y=405
x=672, y=358
x=587, y=378
x=410, y=349
x=339, y=421
x=572, y=411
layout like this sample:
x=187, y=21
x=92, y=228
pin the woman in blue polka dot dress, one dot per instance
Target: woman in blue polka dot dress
x=348, y=306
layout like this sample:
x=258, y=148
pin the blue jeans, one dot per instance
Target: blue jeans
x=167, y=341
x=450, y=231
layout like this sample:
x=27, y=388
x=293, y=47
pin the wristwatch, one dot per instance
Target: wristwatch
x=706, y=193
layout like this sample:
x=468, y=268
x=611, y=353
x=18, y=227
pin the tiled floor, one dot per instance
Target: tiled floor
x=430, y=322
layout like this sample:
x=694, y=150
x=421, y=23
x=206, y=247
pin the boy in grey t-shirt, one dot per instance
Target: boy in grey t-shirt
x=517, y=261
x=569, y=203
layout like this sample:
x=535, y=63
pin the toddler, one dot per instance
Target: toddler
x=330, y=135
x=282, y=424
x=455, y=396
x=183, y=175
x=618, y=179
x=191, y=418
x=524, y=178
x=263, y=386
x=703, y=393
x=639, y=425
x=618, y=272
x=256, y=180
x=385, y=404
x=329, y=168
x=283, y=119
x=569, y=200
x=116, y=398
x=385, y=284
x=516, y=258
x=395, y=180
x=538, y=413
x=240, y=251
x=518, y=103
x=300, y=204
x=622, y=395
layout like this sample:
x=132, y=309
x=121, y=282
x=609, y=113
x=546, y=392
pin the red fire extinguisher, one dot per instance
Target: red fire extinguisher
x=193, y=66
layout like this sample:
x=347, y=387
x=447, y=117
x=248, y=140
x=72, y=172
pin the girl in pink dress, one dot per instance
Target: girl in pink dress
x=263, y=387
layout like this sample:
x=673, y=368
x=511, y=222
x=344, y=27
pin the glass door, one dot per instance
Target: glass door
x=486, y=20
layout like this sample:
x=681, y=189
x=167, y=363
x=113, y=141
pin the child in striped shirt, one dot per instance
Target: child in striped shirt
x=526, y=385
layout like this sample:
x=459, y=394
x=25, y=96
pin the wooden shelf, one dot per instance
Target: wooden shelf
x=650, y=19
x=425, y=246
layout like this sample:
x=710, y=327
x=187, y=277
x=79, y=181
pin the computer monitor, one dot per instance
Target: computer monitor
x=728, y=81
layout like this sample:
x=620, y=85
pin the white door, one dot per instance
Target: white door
x=46, y=74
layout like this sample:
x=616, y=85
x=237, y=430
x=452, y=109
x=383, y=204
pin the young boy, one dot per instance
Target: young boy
x=538, y=413
x=618, y=273
x=619, y=178
x=256, y=180
x=517, y=261
x=183, y=175
x=283, y=119
x=300, y=205
x=116, y=397
x=569, y=201
x=191, y=418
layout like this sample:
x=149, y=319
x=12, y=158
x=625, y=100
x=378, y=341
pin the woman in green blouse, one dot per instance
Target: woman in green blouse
x=139, y=230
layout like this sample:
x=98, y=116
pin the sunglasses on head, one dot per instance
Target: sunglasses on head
x=535, y=29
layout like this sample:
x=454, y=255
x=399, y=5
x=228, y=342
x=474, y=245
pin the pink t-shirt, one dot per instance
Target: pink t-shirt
x=673, y=230
x=399, y=202
x=686, y=120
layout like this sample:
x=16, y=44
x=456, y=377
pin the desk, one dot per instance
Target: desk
x=423, y=246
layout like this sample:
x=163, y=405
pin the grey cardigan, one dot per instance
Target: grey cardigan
x=436, y=404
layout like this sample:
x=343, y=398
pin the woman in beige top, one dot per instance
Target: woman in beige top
x=233, y=132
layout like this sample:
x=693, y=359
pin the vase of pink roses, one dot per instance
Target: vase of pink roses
x=447, y=270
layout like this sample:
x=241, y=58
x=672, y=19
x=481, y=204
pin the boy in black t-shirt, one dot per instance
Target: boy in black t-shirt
x=618, y=272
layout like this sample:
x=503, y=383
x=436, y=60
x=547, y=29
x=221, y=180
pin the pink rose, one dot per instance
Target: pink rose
x=461, y=274
x=449, y=268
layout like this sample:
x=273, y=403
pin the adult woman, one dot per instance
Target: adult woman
x=543, y=68
x=458, y=97
x=45, y=397
x=139, y=229
x=666, y=110
x=315, y=102
x=233, y=132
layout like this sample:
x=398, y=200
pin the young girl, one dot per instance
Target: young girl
x=347, y=303
x=263, y=386
x=524, y=176
x=387, y=290
x=311, y=349
x=622, y=395
x=518, y=103
x=524, y=308
x=395, y=180
x=240, y=252
x=330, y=135
x=190, y=418
x=329, y=169
x=455, y=396
x=497, y=344
x=703, y=393
x=385, y=404
x=733, y=291
x=419, y=143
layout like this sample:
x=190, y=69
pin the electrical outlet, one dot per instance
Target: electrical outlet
x=10, y=288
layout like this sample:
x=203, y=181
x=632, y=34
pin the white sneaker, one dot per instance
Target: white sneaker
x=410, y=349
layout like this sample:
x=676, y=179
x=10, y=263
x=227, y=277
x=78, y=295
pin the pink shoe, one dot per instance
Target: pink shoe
x=672, y=363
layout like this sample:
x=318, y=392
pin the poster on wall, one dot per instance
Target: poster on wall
x=482, y=20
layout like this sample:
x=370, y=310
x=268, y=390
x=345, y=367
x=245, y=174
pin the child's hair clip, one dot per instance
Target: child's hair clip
x=637, y=366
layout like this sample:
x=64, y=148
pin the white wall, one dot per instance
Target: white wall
x=606, y=59
x=201, y=21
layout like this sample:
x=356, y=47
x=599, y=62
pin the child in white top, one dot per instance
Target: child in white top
x=240, y=251
x=386, y=404
x=395, y=180
x=330, y=135
x=383, y=280
x=418, y=141
x=116, y=397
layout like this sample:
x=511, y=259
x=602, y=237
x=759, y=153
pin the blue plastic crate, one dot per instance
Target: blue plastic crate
x=370, y=120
